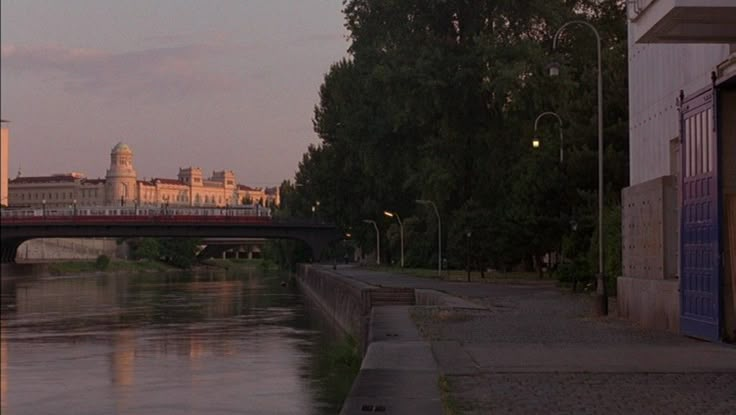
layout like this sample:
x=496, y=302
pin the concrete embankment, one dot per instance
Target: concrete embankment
x=398, y=374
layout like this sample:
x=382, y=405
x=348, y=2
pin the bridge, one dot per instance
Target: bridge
x=16, y=230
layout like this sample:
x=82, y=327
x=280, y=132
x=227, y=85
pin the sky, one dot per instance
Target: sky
x=215, y=84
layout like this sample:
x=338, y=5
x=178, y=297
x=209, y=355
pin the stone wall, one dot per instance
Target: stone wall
x=653, y=304
x=647, y=293
x=348, y=302
x=341, y=299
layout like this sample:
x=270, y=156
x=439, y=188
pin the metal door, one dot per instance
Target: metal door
x=700, y=283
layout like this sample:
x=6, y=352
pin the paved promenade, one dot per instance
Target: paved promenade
x=533, y=348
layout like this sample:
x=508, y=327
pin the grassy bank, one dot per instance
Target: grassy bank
x=235, y=264
x=335, y=368
x=462, y=275
x=75, y=267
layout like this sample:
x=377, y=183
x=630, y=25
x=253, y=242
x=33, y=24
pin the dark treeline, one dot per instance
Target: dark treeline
x=437, y=101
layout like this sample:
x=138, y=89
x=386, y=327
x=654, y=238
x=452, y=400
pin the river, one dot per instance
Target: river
x=173, y=343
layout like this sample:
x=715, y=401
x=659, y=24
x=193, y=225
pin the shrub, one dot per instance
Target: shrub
x=577, y=273
x=147, y=248
x=102, y=262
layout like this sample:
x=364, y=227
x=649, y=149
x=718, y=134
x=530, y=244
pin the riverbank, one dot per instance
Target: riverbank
x=492, y=276
x=86, y=267
x=398, y=374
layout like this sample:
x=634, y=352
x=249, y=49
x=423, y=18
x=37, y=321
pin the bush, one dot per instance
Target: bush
x=147, y=248
x=102, y=262
x=577, y=273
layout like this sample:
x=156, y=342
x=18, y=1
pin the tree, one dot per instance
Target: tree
x=180, y=252
x=437, y=100
x=147, y=248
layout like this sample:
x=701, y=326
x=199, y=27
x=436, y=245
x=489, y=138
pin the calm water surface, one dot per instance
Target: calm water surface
x=161, y=344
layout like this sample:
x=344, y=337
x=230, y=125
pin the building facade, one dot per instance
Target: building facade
x=121, y=186
x=679, y=212
x=4, y=137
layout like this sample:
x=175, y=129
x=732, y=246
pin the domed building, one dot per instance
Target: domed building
x=121, y=187
x=121, y=178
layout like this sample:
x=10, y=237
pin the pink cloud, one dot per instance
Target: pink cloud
x=166, y=72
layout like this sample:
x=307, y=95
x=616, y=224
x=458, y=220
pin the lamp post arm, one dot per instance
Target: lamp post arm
x=554, y=114
x=562, y=139
x=582, y=22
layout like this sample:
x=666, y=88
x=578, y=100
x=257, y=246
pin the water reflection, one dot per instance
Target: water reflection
x=158, y=344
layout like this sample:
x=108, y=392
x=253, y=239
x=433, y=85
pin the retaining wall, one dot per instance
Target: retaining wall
x=398, y=374
x=346, y=301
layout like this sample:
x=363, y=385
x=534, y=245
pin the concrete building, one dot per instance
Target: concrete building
x=679, y=213
x=4, y=137
x=121, y=186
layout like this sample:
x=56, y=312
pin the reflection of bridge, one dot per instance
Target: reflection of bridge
x=15, y=231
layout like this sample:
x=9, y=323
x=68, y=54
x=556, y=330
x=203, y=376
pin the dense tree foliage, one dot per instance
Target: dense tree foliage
x=179, y=252
x=437, y=101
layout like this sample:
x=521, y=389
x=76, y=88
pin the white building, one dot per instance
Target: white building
x=121, y=186
x=3, y=163
x=679, y=213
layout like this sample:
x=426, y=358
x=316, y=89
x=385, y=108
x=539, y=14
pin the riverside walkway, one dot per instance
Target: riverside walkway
x=534, y=348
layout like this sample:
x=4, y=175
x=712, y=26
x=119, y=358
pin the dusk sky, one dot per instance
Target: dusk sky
x=228, y=84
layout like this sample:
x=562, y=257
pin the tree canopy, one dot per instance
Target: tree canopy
x=437, y=100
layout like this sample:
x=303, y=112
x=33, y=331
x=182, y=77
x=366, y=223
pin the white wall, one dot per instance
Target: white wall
x=657, y=73
x=4, y=166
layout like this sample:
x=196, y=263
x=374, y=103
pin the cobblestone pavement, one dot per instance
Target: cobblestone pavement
x=596, y=393
x=536, y=349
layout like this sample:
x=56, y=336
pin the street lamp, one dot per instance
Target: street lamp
x=378, y=240
x=554, y=70
x=43, y=205
x=468, y=234
x=439, y=234
x=74, y=202
x=536, y=142
x=401, y=232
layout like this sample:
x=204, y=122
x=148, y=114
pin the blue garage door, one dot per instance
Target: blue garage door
x=700, y=284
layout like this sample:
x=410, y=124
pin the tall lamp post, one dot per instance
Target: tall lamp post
x=439, y=234
x=554, y=70
x=536, y=143
x=378, y=240
x=468, y=234
x=401, y=232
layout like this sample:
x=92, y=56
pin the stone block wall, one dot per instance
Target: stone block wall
x=648, y=291
x=650, y=229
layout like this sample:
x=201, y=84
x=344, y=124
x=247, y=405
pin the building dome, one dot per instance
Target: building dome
x=121, y=148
